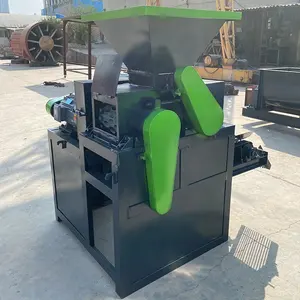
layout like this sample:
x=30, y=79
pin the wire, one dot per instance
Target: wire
x=216, y=70
x=194, y=3
x=242, y=6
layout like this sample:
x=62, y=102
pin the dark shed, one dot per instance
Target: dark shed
x=269, y=36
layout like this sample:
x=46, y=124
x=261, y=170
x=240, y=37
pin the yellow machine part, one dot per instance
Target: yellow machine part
x=225, y=74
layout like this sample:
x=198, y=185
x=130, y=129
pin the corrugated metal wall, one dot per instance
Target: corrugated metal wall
x=270, y=36
x=196, y=4
x=118, y=4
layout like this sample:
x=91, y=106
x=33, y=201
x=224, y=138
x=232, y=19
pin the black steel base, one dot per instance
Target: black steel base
x=121, y=289
x=112, y=219
x=269, y=116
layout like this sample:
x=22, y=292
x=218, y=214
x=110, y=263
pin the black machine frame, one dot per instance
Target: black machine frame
x=106, y=177
x=127, y=216
x=88, y=67
x=101, y=191
x=277, y=99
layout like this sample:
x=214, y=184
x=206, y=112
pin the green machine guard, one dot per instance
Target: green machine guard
x=201, y=106
x=161, y=132
x=50, y=104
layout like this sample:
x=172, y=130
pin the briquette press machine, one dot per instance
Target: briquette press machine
x=142, y=163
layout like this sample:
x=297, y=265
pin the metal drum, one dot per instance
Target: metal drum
x=39, y=42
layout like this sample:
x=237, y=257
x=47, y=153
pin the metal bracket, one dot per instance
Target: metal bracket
x=80, y=113
x=247, y=157
x=113, y=176
x=63, y=143
x=268, y=165
x=243, y=135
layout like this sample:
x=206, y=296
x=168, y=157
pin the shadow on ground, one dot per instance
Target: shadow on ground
x=52, y=264
x=52, y=91
x=238, y=269
x=40, y=258
x=38, y=254
x=277, y=137
x=26, y=166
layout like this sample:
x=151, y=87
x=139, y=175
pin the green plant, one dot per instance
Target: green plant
x=51, y=19
x=77, y=32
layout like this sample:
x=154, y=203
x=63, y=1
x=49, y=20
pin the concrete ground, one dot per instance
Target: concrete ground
x=40, y=259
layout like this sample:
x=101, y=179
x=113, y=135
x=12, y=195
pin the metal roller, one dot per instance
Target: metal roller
x=39, y=42
x=212, y=60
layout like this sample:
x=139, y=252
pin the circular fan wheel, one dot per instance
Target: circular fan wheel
x=43, y=42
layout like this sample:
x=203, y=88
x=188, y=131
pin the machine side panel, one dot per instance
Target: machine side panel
x=202, y=158
x=228, y=185
x=50, y=144
x=217, y=89
x=83, y=100
x=68, y=183
x=107, y=74
x=279, y=89
x=150, y=242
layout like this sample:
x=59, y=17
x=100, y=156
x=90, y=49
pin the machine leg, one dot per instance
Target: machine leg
x=58, y=219
x=90, y=51
x=65, y=47
x=122, y=290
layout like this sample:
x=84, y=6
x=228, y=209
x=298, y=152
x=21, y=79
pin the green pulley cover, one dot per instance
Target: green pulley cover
x=51, y=102
x=202, y=108
x=161, y=132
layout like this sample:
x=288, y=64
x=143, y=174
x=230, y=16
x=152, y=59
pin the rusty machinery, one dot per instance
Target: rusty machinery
x=40, y=43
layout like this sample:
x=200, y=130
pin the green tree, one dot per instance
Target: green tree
x=77, y=32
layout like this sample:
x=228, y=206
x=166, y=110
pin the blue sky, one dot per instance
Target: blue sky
x=28, y=7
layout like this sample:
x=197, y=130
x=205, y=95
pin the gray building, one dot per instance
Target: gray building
x=4, y=7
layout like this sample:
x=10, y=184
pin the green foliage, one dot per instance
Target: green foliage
x=80, y=10
x=78, y=33
x=51, y=19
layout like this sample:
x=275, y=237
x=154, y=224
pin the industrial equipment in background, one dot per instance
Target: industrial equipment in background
x=269, y=36
x=276, y=98
x=142, y=163
x=219, y=61
x=5, y=50
x=40, y=44
x=153, y=2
